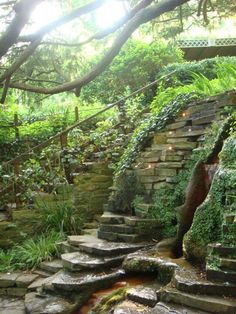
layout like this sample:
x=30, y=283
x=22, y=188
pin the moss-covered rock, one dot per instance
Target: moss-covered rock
x=207, y=223
x=108, y=302
x=24, y=223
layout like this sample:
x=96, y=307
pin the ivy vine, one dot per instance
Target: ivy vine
x=156, y=122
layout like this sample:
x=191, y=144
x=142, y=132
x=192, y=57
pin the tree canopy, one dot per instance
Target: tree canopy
x=56, y=57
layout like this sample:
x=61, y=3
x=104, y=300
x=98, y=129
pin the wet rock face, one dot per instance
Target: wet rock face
x=146, y=263
x=85, y=281
x=128, y=307
x=78, y=261
x=47, y=304
x=144, y=295
x=12, y=306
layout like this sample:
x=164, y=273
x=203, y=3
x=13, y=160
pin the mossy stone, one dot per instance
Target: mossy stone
x=25, y=223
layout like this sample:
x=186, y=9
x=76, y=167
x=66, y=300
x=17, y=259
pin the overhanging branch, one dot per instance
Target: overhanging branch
x=63, y=20
x=145, y=15
x=22, y=10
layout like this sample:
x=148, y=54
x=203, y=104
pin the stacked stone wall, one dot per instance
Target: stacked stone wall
x=157, y=164
x=91, y=188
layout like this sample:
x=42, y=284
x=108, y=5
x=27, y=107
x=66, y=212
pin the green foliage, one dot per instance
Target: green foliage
x=206, y=226
x=126, y=189
x=208, y=219
x=227, y=156
x=30, y=253
x=137, y=206
x=61, y=216
x=183, y=74
x=7, y=260
x=137, y=64
x=156, y=122
x=33, y=251
x=164, y=210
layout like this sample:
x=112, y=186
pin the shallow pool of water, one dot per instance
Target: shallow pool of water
x=130, y=281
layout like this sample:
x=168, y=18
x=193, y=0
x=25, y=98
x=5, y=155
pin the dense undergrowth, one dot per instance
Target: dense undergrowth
x=46, y=169
x=170, y=100
x=31, y=252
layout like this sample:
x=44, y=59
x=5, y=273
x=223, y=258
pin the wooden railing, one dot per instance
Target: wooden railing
x=16, y=123
x=62, y=138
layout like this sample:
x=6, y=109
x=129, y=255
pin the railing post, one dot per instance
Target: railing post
x=16, y=124
x=16, y=167
x=65, y=162
x=76, y=114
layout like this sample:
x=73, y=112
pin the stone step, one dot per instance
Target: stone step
x=80, y=261
x=177, y=125
x=129, y=307
x=122, y=228
x=84, y=281
x=170, y=308
x=51, y=266
x=35, y=303
x=127, y=238
x=221, y=275
x=77, y=240
x=92, y=232
x=65, y=247
x=135, y=221
x=204, y=119
x=110, y=218
x=104, y=248
x=109, y=236
x=188, y=133
x=221, y=250
x=42, y=273
x=191, y=282
x=170, y=165
x=143, y=295
x=201, y=302
x=228, y=263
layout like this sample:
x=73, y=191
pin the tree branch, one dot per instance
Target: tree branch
x=21, y=59
x=63, y=20
x=145, y=15
x=5, y=89
x=23, y=10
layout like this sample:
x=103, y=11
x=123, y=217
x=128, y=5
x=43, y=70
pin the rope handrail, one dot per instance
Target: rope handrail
x=47, y=142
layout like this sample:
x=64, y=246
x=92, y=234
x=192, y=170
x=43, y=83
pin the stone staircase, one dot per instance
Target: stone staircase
x=86, y=265
x=129, y=229
x=221, y=263
x=215, y=291
x=169, y=148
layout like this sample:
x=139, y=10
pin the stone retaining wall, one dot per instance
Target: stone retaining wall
x=158, y=164
x=91, y=188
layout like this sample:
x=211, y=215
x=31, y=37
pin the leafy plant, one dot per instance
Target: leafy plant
x=126, y=189
x=159, y=120
x=61, y=216
x=33, y=251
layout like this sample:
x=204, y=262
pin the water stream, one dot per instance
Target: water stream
x=130, y=281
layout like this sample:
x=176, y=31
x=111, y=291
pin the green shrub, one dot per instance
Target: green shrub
x=33, y=251
x=122, y=198
x=61, y=216
x=30, y=253
x=183, y=75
